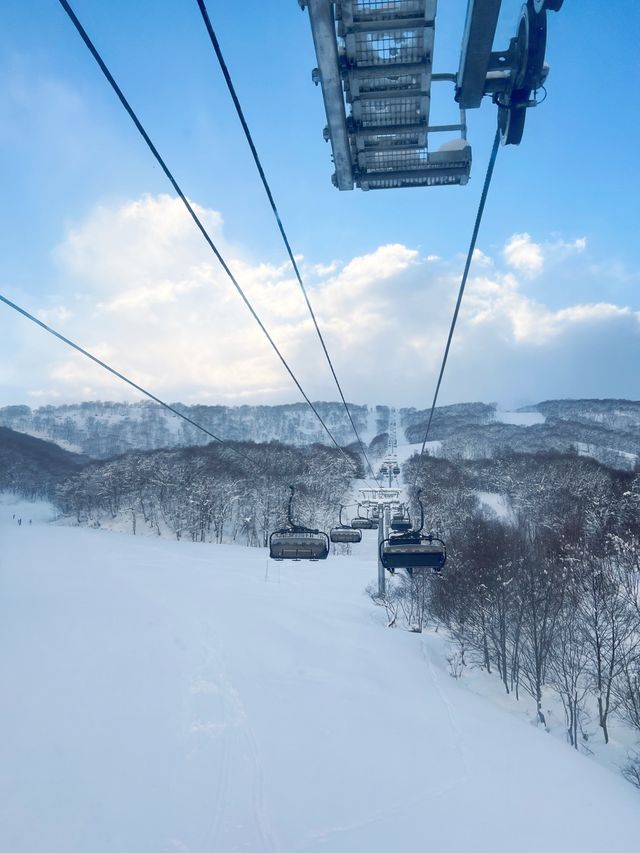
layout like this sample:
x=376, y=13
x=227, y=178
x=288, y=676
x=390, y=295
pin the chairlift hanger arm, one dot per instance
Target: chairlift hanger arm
x=511, y=75
x=289, y=507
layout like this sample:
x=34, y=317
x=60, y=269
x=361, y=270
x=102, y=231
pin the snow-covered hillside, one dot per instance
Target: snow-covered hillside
x=102, y=430
x=166, y=697
x=607, y=430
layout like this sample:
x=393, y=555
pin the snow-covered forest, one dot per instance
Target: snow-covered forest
x=607, y=430
x=208, y=494
x=542, y=585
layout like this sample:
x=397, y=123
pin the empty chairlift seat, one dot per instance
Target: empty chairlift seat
x=414, y=553
x=359, y=523
x=345, y=535
x=400, y=523
x=296, y=544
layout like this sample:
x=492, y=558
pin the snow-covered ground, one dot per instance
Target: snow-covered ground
x=585, y=449
x=406, y=451
x=498, y=504
x=165, y=697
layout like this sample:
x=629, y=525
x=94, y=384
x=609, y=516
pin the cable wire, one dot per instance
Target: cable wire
x=121, y=376
x=265, y=183
x=134, y=118
x=463, y=282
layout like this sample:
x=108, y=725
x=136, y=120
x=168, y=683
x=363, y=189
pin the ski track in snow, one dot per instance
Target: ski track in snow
x=451, y=716
x=238, y=740
x=208, y=682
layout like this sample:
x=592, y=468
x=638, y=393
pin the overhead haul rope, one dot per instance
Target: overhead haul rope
x=463, y=283
x=121, y=376
x=253, y=462
x=134, y=118
x=265, y=183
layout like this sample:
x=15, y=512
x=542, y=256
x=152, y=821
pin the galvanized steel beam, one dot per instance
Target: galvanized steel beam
x=398, y=69
x=326, y=45
x=479, y=32
x=435, y=172
x=387, y=25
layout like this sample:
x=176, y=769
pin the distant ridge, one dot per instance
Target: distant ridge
x=607, y=430
x=33, y=466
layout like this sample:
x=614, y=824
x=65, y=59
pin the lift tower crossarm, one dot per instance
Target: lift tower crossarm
x=326, y=45
x=377, y=56
x=479, y=32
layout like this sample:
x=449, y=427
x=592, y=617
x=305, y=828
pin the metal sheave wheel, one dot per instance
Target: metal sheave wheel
x=511, y=122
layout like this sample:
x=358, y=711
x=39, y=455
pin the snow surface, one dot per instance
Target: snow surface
x=406, y=451
x=519, y=418
x=497, y=503
x=585, y=449
x=166, y=697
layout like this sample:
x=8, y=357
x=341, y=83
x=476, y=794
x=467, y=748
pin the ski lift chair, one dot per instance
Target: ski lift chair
x=400, y=523
x=297, y=542
x=362, y=522
x=413, y=551
x=343, y=534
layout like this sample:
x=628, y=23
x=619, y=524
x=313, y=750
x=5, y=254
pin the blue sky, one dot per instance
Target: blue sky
x=73, y=165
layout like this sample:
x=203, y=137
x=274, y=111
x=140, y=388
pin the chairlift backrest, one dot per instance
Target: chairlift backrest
x=345, y=535
x=400, y=524
x=297, y=542
x=359, y=523
x=413, y=552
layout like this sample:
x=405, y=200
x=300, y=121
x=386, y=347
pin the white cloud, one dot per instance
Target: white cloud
x=568, y=247
x=142, y=291
x=529, y=258
x=324, y=269
x=480, y=259
x=521, y=253
x=58, y=314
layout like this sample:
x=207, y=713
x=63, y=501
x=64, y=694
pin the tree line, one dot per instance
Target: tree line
x=547, y=596
x=209, y=494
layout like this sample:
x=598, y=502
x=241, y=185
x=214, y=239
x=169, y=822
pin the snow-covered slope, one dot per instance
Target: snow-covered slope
x=165, y=697
x=607, y=430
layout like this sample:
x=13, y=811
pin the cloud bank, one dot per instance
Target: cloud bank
x=137, y=286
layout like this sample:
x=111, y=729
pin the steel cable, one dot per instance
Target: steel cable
x=134, y=118
x=463, y=283
x=267, y=188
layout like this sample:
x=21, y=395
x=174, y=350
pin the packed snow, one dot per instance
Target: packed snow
x=497, y=504
x=167, y=697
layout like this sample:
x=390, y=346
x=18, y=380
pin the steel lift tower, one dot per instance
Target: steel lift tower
x=375, y=69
